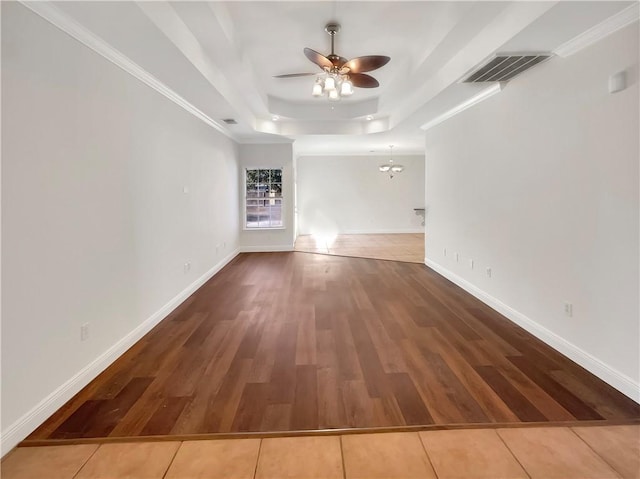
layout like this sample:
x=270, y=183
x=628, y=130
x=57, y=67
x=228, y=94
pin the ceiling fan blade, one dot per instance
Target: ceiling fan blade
x=366, y=64
x=293, y=75
x=362, y=80
x=317, y=58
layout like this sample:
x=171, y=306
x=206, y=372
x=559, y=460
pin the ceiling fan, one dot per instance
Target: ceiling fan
x=339, y=74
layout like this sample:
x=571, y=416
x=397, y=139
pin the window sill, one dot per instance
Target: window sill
x=275, y=228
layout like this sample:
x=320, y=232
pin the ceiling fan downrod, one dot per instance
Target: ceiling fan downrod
x=332, y=29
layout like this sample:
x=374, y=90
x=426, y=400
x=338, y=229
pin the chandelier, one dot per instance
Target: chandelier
x=391, y=167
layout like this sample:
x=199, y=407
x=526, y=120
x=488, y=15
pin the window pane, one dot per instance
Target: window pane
x=277, y=189
x=252, y=176
x=276, y=215
x=252, y=216
x=263, y=176
x=251, y=190
x=251, y=202
x=276, y=176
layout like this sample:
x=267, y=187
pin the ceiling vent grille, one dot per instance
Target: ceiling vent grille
x=505, y=66
x=230, y=121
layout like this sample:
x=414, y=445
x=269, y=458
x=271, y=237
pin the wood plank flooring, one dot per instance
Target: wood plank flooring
x=395, y=247
x=297, y=341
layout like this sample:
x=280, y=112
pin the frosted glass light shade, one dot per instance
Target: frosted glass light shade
x=329, y=84
x=347, y=88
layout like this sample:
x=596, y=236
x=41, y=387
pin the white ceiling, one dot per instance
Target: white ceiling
x=222, y=57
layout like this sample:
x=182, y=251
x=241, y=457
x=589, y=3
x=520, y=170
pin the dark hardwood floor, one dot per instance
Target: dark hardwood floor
x=298, y=341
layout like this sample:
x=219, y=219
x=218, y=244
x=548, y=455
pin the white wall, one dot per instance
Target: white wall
x=540, y=183
x=269, y=156
x=96, y=227
x=347, y=194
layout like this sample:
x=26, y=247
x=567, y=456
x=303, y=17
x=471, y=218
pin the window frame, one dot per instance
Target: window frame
x=282, y=199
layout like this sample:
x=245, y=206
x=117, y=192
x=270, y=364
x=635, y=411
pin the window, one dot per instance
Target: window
x=263, y=198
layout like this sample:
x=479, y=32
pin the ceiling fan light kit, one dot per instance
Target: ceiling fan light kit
x=339, y=74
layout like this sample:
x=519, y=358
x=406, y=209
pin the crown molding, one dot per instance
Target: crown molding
x=474, y=100
x=264, y=140
x=594, y=34
x=64, y=22
x=343, y=154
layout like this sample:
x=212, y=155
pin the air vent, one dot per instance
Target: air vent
x=230, y=121
x=505, y=66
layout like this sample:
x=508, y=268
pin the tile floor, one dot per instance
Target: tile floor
x=397, y=247
x=541, y=452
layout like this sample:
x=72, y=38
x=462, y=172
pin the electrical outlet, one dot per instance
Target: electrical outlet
x=224, y=245
x=187, y=267
x=568, y=309
x=444, y=252
x=457, y=257
x=489, y=272
x=84, y=332
x=470, y=264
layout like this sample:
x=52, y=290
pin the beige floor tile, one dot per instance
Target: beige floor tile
x=555, y=452
x=300, y=458
x=470, y=454
x=385, y=456
x=618, y=445
x=51, y=462
x=217, y=459
x=143, y=460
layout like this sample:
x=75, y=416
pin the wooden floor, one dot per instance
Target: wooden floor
x=297, y=341
x=551, y=452
x=396, y=247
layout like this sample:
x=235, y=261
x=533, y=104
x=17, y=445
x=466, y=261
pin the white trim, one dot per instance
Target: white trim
x=65, y=23
x=475, y=99
x=343, y=153
x=266, y=248
x=419, y=229
x=595, y=34
x=618, y=380
x=266, y=139
x=264, y=228
x=45, y=408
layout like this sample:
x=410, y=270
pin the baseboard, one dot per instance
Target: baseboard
x=36, y=416
x=376, y=231
x=615, y=378
x=266, y=248
x=419, y=229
